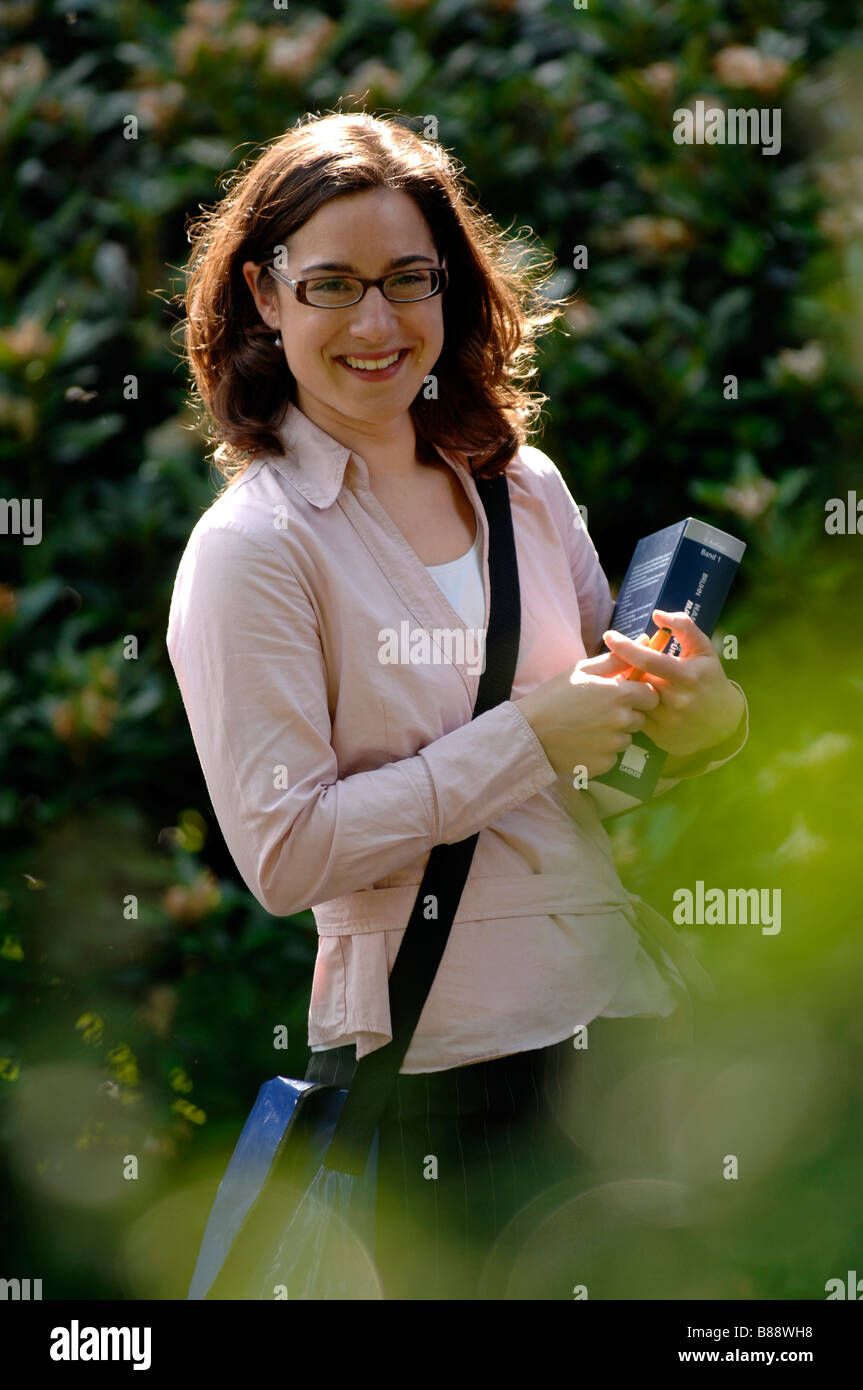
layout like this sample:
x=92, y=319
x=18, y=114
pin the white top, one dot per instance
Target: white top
x=461, y=581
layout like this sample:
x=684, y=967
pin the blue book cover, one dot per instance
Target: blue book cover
x=687, y=568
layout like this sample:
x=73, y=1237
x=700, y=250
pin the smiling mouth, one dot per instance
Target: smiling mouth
x=373, y=365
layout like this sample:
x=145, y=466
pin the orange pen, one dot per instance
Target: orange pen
x=659, y=640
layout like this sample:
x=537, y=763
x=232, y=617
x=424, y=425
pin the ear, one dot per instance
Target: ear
x=265, y=302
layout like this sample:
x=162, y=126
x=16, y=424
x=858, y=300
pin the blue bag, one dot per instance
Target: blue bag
x=326, y=1247
x=295, y=1213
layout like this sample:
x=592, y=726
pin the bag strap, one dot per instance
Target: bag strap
x=448, y=866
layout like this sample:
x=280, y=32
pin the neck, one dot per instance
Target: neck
x=389, y=449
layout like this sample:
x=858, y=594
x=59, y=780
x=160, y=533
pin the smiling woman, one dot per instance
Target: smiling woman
x=361, y=337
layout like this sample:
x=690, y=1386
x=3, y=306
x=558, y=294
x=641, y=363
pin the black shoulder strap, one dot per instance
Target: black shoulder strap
x=448, y=866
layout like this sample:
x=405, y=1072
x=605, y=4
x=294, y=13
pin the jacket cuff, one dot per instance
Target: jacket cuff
x=710, y=758
x=483, y=769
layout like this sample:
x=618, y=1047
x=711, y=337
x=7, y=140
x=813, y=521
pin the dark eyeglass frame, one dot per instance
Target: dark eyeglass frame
x=299, y=286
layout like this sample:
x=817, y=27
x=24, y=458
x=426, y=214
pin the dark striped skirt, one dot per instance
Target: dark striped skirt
x=471, y=1158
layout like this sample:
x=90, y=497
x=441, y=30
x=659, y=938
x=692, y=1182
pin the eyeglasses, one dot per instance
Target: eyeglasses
x=340, y=291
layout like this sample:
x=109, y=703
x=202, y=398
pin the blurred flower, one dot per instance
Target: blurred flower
x=209, y=12
x=247, y=37
x=9, y=1070
x=295, y=55
x=377, y=77
x=660, y=78
x=20, y=68
x=26, y=339
x=12, y=948
x=158, y=1009
x=190, y=904
x=841, y=176
x=750, y=499
x=741, y=66
x=156, y=106
x=582, y=318
x=34, y=884
x=655, y=236
x=806, y=363
x=842, y=181
x=204, y=29
x=180, y=1080
x=85, y=717
x=840, y=224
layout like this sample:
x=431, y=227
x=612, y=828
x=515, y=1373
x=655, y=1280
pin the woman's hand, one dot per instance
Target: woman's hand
x=698, y=706
x=584, y=719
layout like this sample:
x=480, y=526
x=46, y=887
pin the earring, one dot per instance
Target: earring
x=278, y=342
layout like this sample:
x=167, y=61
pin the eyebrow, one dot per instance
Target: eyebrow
x=344, y=265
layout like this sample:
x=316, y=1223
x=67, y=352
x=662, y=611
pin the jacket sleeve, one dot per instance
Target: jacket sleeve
x=596, y=606
x=244, y=641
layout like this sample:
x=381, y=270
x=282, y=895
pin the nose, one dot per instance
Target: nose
x=374, y=318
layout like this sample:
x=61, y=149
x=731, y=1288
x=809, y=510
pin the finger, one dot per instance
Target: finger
x=605, y=665
x=640, y=695
x=670, y=668
x=687, y=632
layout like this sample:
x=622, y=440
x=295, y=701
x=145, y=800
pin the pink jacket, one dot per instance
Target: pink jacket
x=333, y=773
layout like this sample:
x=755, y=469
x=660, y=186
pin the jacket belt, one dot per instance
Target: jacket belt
x=521, y=895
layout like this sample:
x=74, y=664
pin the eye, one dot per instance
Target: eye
x=333, y=286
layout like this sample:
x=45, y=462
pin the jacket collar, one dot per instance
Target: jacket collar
x=316, y=463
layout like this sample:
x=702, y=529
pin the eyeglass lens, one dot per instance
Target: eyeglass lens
x=403, y=286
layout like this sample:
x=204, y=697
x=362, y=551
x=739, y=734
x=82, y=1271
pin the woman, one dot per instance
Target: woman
x=360, y=336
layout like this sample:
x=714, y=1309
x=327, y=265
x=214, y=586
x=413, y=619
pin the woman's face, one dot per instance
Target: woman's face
x=368, y=234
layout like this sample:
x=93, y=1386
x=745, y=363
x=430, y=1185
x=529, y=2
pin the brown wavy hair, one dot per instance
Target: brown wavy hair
x=493, y=307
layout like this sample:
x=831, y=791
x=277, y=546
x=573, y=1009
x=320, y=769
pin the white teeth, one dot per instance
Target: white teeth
x=372, y=366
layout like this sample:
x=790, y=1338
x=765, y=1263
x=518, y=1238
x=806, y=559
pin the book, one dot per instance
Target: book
x=688, y=567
